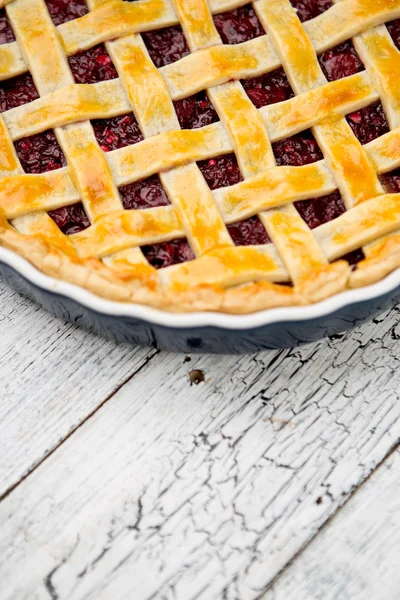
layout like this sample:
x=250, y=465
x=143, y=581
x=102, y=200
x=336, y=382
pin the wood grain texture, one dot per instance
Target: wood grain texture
x=175, y=491
x=357, y=555
x=53, y=375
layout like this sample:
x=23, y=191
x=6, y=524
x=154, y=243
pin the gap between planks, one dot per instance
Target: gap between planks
x=329, y=523
x=210, y=489
x=53, y=376
x=356, y=555
x=75, y=429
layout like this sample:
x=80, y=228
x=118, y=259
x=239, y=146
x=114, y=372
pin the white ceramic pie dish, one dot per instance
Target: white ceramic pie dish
x=202, y=331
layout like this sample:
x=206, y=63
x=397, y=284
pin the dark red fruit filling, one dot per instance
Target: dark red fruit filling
x=70, y=219
x=166, y=46
x=368, y=123
x=268, y=89
x=196, y=111
x=168, y=253
x=92, y=66
x=239, y=25
x=62, y=11
x=353, y=258
x=308, y=9
x=147, y=193
x=17, y=91
x=340, y=61
x=394, y=30
x=248, y=232
x=298, y=150
x=6, y=32
x=318, y=211
x=117, y=132
x=40, y=153
x=391, y=181
x=221, y=171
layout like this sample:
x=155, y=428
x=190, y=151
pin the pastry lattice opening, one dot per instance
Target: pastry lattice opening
x=92, y=66
x=146, y=193
x=117, y=132
x=62, y=11
x=238, y=26
x=195, y=111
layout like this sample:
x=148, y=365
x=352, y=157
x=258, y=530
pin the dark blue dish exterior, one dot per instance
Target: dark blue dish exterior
x=286, y=334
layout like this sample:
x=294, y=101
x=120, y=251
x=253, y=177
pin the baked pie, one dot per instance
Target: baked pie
x=202, y=154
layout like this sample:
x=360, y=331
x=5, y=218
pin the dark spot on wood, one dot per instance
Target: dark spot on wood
x=187, y=359
x=196, y=377
x=319, y=500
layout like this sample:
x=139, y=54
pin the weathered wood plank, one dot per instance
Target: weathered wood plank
x=52, y=376
x=172, y=491
x=357, y=555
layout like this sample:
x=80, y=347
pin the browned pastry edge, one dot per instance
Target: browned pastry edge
x=130, y=287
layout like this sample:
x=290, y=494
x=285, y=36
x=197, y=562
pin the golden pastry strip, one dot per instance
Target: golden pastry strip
x=385, y=151
x=347, y=18
x=146, y=91
x=12, y=62
x=123, y=229
x=294, y=241
x=24, y=194
x=90, y=171
x=197, y=23
x=67, y=105
x=212, y=66
x=382, y=60
x=283, y=25
x=309, y=108
x=115, y=19
x=203, y=222
x=348, y=160
x=166, y=151
x=275, y=187
x=38, y=40
x=43, y=227
x=245, y=127
x=226, y=267
x=9, y=162
x=360, y=225
x=152, y=106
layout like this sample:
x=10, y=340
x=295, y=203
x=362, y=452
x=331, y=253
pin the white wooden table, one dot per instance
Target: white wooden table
x=277, y=477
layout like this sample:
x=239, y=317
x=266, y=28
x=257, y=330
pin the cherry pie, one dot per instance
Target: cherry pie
x=202, y=154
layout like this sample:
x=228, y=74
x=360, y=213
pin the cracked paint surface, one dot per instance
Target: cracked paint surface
x=210, y=488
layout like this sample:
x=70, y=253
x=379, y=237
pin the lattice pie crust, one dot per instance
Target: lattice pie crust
x=106, y=258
